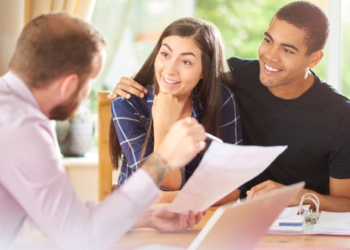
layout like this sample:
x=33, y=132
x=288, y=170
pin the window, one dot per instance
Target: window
x=345, y=76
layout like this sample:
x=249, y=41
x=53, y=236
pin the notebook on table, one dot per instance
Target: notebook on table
x=290, y=220
x=301, y=220
x=240, y=226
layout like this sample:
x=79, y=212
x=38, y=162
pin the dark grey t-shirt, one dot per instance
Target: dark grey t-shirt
x=315, y=126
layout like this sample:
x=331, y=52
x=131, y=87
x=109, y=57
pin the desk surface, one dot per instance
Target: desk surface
x=143, y=237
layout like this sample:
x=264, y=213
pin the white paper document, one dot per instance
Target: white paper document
x=224, y=168
x=330, y=223
x=290, y=220
x=333, y=223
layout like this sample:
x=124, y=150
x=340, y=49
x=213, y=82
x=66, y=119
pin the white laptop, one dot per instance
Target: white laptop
x=240, y=226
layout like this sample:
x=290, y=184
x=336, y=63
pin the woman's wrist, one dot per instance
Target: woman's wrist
x=159, y=135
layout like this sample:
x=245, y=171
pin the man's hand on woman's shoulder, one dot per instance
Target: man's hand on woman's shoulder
x=126, y=87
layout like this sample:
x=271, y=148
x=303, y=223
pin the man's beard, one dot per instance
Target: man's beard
x=66, y=109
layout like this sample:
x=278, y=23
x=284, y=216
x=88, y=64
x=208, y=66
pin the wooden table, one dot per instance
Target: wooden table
x=143, y=237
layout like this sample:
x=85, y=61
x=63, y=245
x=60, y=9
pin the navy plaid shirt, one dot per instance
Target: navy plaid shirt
x=132, y=118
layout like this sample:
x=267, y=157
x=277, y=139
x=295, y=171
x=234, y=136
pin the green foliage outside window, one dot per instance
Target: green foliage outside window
x=346, y=58
x=243, y=22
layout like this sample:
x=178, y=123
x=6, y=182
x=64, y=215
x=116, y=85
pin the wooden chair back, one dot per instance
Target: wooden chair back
x=105, y=168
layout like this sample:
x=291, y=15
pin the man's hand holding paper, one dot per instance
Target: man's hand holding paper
x=224, y=168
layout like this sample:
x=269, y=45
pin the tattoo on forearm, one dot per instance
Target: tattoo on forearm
x=156, y=167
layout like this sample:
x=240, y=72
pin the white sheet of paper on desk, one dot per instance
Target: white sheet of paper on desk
x=291, y=213
x=224, y=168
x=333, y=223
x=290, y=220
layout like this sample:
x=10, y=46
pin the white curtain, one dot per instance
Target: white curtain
x=143, y=24
x=110, y=17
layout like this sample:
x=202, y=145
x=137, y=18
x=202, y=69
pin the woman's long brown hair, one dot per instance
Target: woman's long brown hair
x=215, y=73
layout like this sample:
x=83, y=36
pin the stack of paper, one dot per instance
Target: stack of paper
x=289, y=220
x=333, y=223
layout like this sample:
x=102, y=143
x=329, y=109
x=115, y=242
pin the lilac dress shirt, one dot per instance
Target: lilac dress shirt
x=34, y=184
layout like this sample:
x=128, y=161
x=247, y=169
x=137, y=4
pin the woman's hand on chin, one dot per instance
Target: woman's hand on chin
x=166, y=110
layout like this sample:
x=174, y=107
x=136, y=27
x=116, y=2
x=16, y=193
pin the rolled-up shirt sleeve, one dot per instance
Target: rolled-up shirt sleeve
x=32, y=172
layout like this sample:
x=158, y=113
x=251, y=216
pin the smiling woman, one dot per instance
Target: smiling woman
x=186, y=75
x=178, y=66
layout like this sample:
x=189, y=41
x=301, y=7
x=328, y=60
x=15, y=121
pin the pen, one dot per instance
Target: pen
x=213, y=138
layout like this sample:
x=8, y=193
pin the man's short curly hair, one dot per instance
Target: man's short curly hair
x=310, y=18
